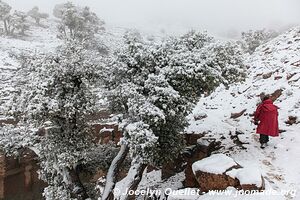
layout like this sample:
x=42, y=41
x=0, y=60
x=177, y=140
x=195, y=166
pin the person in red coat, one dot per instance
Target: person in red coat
x=266, y=117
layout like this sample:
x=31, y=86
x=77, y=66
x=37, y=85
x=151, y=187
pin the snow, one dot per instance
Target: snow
x=106, y=130
x=247, y=175
x=216, y=164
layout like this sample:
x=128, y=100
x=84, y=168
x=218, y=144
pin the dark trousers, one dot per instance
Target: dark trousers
x=263, y=138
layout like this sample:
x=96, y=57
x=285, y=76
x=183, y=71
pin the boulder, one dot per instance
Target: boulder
x=211, y=172
x=219, y=171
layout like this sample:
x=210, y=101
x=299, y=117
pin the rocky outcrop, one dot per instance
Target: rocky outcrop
x=219, y=171
x=19, y=177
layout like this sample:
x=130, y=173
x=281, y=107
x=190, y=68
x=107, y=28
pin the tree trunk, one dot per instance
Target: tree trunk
x=5, y=27
x=112, y=174
x=37, y=20
x=76, y=185
x=134, y=177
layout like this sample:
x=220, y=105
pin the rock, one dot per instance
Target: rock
x=105, y=133
x=277, y=77
x=249, y=178
x=289, y=76
x=292, y=120
x=268, y=75
x=282, y=131
x=275, y=95
x=219, y=171
x=296, y=64
x=211, y=172
x=200, y=116
x=237, y=115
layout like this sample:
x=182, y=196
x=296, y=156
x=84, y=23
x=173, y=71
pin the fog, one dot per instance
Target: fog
x=226, y=17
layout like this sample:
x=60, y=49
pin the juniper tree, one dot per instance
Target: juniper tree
x=56, y=94
x=18, y=23
x=15, y=23
x=76, y=22
x=36, y=15
x=154, y=87
x=4, y=15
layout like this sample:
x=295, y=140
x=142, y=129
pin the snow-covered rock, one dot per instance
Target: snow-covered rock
x=219, y=171
x=215, y=164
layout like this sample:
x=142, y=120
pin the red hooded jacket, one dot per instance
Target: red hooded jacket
x=267, y=115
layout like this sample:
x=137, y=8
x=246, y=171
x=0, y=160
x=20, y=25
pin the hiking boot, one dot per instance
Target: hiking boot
x=263, y=145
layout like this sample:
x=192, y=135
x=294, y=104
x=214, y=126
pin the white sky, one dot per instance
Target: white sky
x=218, y=16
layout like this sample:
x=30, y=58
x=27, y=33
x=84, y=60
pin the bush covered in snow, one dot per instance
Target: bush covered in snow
x=253, y=39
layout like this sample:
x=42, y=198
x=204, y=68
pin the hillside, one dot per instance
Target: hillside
x=274, y=66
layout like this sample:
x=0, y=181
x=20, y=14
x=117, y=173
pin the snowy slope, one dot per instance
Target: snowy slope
x=280, y=161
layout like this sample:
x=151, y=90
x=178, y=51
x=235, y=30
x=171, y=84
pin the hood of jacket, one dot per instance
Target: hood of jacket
x=268, y=105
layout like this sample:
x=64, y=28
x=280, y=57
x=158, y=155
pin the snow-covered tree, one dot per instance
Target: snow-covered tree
x=36, y=15
x=18, y=23
x=154, y=87
x=76, y=22
x=253, y=39
x=15, y=23
x=4, y=15
x=55, y=93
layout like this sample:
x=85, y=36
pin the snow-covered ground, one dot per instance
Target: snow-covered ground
x=279, y=162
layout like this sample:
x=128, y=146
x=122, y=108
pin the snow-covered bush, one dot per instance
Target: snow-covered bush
x=227, y=58
x=36, y=15
x=76, y=22
x=253, y=39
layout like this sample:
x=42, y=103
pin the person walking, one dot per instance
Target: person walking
x=266, y=119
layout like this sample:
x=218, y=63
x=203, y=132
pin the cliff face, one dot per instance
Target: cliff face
x=19, y=178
